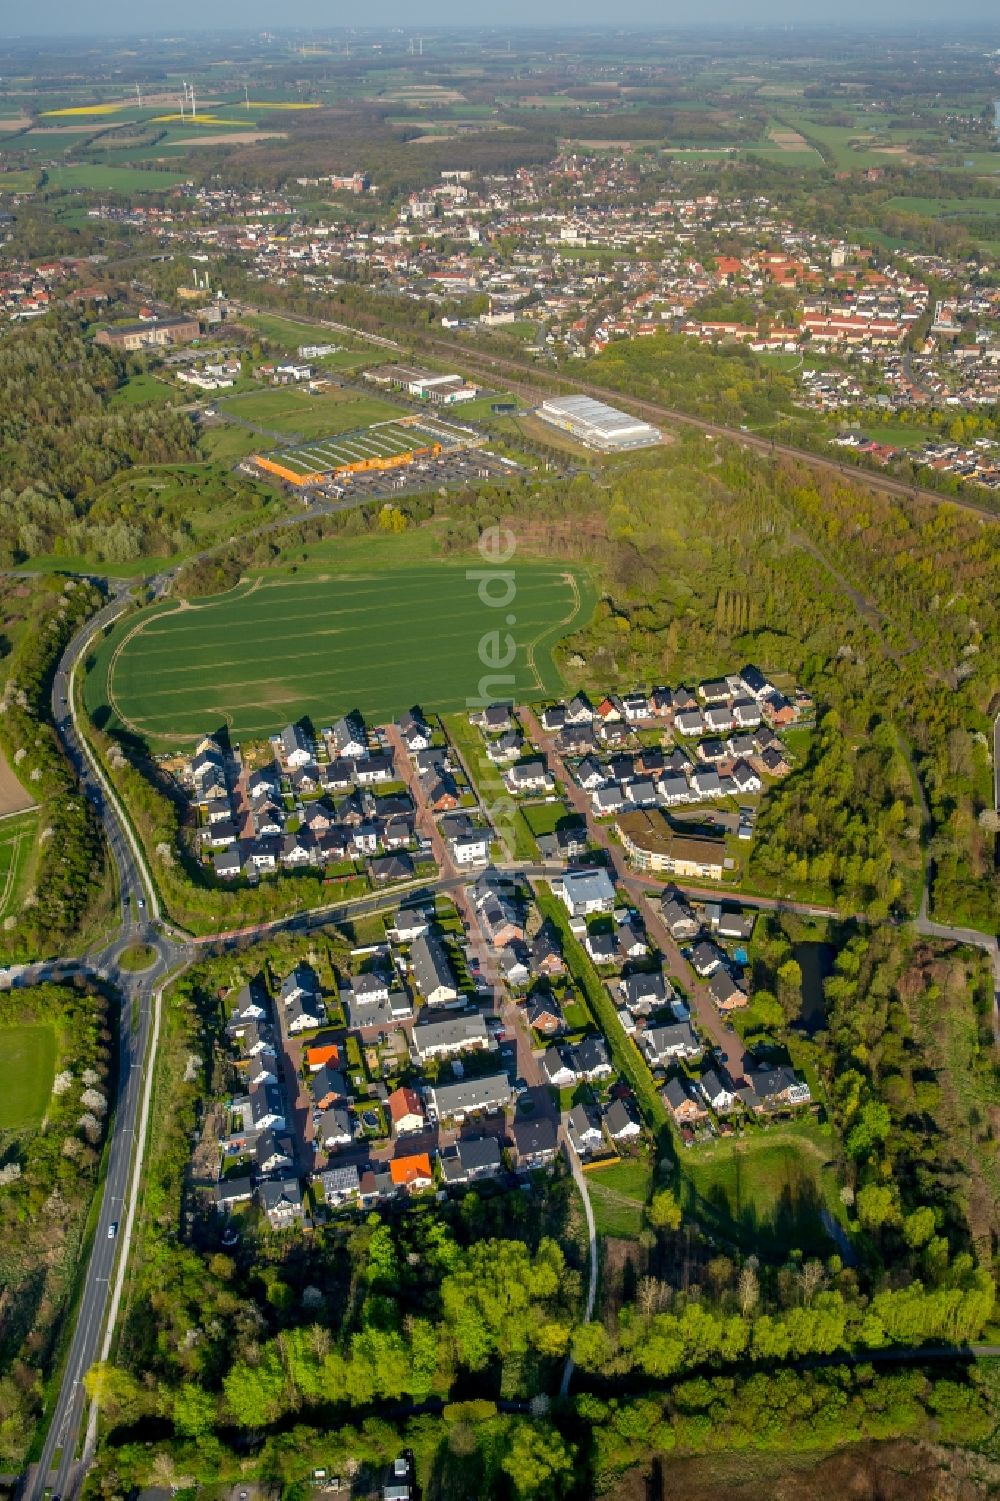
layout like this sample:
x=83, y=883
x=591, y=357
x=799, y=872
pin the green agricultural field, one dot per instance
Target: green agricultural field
x=289, y=645
x=618, y=1196
x=113, y=179
x=17, y=843
x=298, y=414
x=27, y=1068
x=770, y=1189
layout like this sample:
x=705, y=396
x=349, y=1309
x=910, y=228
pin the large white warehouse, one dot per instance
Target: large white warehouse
x=597, y=424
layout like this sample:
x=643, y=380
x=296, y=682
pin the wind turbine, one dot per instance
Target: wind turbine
x=138, y=94
x=246, y=96
x=183, y=95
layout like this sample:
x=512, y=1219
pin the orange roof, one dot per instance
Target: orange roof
x=327, y=1052
x=406, y=1170
x=404, y=1101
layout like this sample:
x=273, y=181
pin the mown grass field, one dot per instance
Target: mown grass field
x=618, y=1196
x=296, y=412
x=767, y=1189
x=17, y=842
x=113, y=179
x=315, y=644
x=27, y=1068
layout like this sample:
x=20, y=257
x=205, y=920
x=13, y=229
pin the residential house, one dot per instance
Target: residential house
x=413, y=1174
x=294, y=747
x=432, y=971
x=450, y=1035
x=746, y=779
x=578, y=710
x=228, y=864
x=545, y=1014
x=607, y=800
x=678, y=916
x=395, y=867
x=340, y=1185
x=536, y=1142
x=601, y=946
x=415, y=730
x=645, y=992
x=273, y=1153
x=717, y=1092
x=494, y=719
x=689, y=723
x=469, y=1097
x=468, y=842
x=334, y=1129
x=232, y=1191
x=505, y=748
x=513, y=962
x=329, y=1086
x=304, y=1016
x=584, y=892
x=349, y=738
x=621, y=1122
x=471, y=1160
x=590, y=774
x=715, y=691
x=322, y=1054
x=676, y=1040
x=406, y=1111
x=775, y=1087
x=249, y=1005
x=683, y=1105
x=546, y=951
x=746, y=713
x=300, y=985
x=377, y=767
x=281, y=1201
x=531, y=776
x=725, y=992
x=584, y=1131
x=706, y=958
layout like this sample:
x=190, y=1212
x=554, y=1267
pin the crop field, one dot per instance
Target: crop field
x=283, y=647
x=17, y=842
x=27, y=1068
x=303, y=416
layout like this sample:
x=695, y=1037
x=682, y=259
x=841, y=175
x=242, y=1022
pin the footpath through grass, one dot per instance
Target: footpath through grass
x=17, y=844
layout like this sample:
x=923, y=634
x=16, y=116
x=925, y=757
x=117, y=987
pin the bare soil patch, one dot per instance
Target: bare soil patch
x=13, y=798
x=235, y=137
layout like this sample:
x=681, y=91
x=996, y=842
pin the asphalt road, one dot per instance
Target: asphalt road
x=58, y=1465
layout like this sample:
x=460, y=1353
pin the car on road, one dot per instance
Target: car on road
x=112, y=1230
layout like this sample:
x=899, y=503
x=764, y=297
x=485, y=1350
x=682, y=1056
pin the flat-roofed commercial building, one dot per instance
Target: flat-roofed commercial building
x=598, y=425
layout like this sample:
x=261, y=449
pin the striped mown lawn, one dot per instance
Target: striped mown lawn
x=281, y=647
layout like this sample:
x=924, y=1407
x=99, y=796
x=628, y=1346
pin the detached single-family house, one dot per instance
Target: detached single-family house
x=725, y=992
x=706, y=958
x=471, y=1160
x=329, y=1086
x=304, y=1016
x=584, y=1131
x=676, y=1040
x=583, y=892
x=536, y=1142
x=689, y=723
x=530, y=776
x=545, y=1014
x=267, y=1108
x=645, y=992
x=294, y=746
x=621, y=1122
x=683, y=1105
x=678, y=916
x=412, y=1174
x=281, y=1201
x=340, y=1185
x=432, y=971
x=334, y=1129
x=232, y=1191
x=273, y=1153
x=717, y=1092
x=406, y=1111
x=300, y=985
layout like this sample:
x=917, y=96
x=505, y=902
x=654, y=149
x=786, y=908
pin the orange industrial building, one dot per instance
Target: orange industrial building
x=356, y=466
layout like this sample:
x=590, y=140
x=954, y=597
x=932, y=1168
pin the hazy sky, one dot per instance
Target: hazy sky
x=75, y=17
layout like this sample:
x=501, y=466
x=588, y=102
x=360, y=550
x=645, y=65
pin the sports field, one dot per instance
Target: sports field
x=300, y=415
x=283, y=647
x=27, y=1068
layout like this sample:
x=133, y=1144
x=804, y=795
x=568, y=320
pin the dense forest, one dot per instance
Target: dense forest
x=61, y=440
x=69, y=867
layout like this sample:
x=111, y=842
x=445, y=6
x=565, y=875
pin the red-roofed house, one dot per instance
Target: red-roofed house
x=406, y=1111
x=411, y=1173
